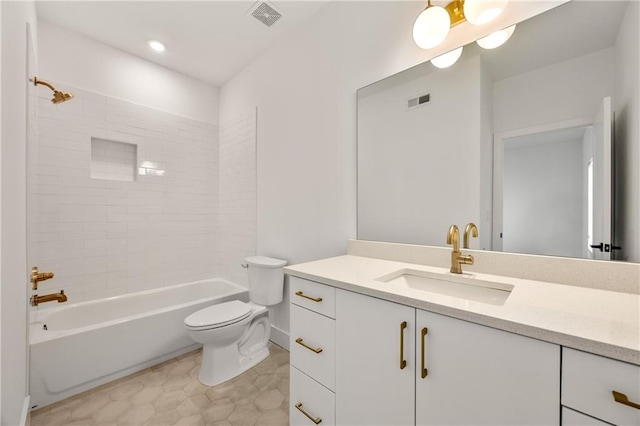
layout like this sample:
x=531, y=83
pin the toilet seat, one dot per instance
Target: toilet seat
x=220, y=315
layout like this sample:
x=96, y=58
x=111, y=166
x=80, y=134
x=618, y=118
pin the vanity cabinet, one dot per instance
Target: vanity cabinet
x=373, y=384
x=574, y=418
x=312, y=353
x=478, y=375
x=397, y=365
x=588, y=385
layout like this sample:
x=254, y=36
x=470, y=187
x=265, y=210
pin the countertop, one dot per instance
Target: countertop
x=602, y=322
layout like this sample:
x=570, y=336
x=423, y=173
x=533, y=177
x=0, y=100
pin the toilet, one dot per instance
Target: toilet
x=235, y=334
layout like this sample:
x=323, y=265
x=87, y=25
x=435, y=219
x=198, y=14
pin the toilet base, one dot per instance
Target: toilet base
x=222, y=363
x=235, y=365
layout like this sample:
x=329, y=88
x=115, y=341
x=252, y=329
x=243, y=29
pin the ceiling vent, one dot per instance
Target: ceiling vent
x=266, y=13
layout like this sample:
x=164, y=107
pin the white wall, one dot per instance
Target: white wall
x=15, y=86
x=107, y=237
x=237, y=194
x=627, y=136
x=304, y=87
x=553, y=93
x=543, y=189
x=70, y=58
x=406, y=192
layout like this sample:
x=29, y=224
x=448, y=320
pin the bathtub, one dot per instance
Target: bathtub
x=80, y=346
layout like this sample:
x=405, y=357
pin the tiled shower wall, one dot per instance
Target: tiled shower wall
x=107, y=237
x=238, y=209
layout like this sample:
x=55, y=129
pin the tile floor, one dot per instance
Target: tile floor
x=170, y=394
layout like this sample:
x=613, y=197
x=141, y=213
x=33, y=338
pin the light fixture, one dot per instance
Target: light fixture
x=496, y=39
x=447, y=59
x=432, y=25
x=157, y=45
x=480, y=12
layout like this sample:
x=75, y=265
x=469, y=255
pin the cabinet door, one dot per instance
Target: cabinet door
x=574, y=418
x=371, y=386
x=482, y=376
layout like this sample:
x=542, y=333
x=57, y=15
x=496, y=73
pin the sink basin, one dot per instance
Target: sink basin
x=462, y=286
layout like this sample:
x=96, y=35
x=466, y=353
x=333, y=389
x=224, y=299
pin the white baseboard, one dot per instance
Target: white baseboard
x=279, y=337
x=26, y=412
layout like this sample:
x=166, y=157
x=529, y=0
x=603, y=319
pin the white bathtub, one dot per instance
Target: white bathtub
x=90, y=343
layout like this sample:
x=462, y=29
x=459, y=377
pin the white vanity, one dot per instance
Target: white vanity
x=368, y=348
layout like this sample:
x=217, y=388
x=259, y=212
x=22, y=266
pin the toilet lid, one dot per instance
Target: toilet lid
x=219, y=315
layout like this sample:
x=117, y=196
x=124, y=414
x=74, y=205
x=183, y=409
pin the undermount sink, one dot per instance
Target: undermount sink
x=462, y=286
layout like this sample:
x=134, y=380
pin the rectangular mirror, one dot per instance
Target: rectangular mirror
x=535, y=141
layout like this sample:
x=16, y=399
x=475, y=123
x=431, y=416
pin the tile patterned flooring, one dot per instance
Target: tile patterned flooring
x=170, y=394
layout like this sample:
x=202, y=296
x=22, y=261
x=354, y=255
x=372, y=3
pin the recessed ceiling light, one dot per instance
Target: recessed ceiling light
x=156, y=45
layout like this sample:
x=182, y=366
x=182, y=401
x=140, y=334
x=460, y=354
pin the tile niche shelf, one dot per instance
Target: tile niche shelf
x=113, y=160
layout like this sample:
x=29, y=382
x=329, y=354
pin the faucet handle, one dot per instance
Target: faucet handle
x=465, y=259
x=36, y=277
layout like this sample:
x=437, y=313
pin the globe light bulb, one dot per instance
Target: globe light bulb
x=431, y=27
x=447, y=59
x=480, y=12
x=496, y=39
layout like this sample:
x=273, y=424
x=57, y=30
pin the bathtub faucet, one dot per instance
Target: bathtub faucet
x=60, y=297
x=37, y=276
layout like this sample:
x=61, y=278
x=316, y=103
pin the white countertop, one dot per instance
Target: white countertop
x=603, y=322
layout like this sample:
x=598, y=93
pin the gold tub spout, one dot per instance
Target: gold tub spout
x=60, y=297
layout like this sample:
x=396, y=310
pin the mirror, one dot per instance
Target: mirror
x=512, y=139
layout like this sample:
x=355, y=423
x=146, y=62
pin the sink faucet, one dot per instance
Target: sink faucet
x=472, y=229
x=457, y=258
x=60, y=297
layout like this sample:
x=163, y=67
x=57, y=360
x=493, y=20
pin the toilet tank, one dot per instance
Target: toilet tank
x=266, y=280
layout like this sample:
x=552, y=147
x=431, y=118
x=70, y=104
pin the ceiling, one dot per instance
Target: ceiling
x=208, y=40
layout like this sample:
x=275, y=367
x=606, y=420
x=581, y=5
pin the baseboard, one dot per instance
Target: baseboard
x=25, y=418
x=279, y=337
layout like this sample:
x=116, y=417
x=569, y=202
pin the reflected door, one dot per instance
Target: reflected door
x=600, y=187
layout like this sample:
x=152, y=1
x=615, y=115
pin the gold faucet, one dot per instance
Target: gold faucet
x=472, y=229
x=457, y=258
x=60, y=297
x=36, y=277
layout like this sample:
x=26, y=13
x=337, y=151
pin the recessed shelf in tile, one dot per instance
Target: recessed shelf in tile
x=113, y=160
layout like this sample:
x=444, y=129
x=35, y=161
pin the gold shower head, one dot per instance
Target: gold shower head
x=58, y=96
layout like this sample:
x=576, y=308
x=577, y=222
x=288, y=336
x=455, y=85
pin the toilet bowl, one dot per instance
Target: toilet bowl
x=235, y=335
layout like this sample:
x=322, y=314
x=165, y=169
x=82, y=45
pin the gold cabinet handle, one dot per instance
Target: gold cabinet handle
x=316, y=420
x=314, y=299
x=423, y=369
x=312, y=349
x=403, y=362
x=622, y=399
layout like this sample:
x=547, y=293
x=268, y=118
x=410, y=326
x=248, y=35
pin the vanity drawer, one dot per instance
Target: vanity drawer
x=588, y=381
x=313, y=341
x=311, y=295
x=573, y=418
x=310, y=397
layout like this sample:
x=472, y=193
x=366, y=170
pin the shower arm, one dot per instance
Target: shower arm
x=44, y=83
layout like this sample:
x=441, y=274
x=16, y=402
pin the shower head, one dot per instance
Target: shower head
x=58, y=96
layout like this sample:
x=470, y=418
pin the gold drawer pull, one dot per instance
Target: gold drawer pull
x=316, y=420
x=312, y=349
x=422, y=367
x=622, y=399
x=314, y=299
x=403, y=362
